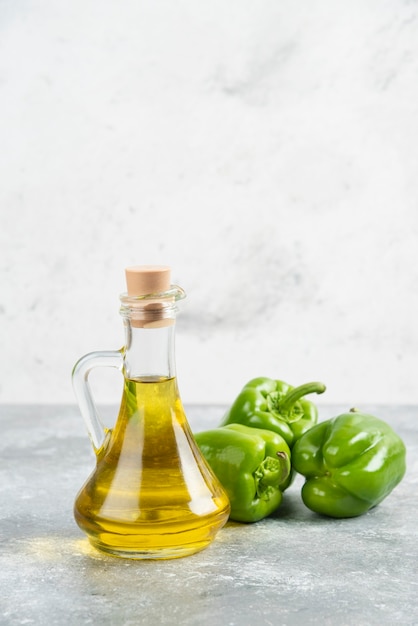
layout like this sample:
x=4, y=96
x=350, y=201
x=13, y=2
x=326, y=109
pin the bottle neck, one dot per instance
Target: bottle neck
x=149, y=329
x=149, y=352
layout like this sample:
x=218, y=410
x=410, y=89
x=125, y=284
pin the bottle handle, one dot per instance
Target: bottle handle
x=88, y=409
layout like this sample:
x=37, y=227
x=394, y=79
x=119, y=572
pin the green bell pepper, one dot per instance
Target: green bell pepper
x=350, y=462
x=275, y=405
x=253, y=466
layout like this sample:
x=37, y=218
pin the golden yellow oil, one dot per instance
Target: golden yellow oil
x=151, y=495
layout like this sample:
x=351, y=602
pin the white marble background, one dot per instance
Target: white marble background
x=265, y=149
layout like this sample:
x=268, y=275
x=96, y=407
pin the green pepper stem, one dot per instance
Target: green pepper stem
x=297, y=393
x=271, y=473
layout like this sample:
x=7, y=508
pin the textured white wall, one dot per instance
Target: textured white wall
x=266, y=150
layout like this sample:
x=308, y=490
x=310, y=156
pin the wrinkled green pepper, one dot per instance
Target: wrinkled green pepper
x=350, y=462
x=275, y=405
x=253, y=465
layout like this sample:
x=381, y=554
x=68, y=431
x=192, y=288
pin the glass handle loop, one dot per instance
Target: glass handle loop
x=88, y=409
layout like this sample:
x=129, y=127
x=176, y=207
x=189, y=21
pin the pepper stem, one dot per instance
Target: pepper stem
x=297, y=393
x=271, y=473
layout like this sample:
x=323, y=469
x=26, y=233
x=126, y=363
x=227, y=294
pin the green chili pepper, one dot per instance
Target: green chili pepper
x=253, y=466
x=275, y=405
x=351, y=463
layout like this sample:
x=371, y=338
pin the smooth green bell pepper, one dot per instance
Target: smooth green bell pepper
x=275, y=405
x=253, y=465
x=350, y=462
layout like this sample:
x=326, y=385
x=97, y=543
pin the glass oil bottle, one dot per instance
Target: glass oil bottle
x=151, y=494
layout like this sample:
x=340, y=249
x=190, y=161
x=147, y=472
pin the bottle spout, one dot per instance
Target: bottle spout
x=150, y=301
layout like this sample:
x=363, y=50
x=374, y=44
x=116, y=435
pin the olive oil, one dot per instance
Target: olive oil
x=151, y=495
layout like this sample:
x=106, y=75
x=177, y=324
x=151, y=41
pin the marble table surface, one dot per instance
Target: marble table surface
x=292, y=568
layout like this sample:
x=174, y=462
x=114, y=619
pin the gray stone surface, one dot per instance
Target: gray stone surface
x=293, y=568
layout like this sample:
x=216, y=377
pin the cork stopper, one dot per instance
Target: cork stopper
x=142, y=280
